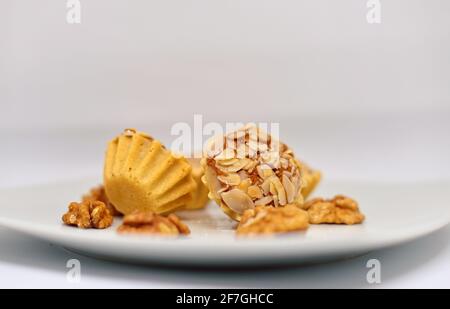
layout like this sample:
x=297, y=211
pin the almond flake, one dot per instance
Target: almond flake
x=228, y=162
x=266, y=186
x=281, y=193
x=245, y=184
x=263, y=201
x=237, y=200
x=254, y=192
x=233, y=168
x=289, y=188
x=230, y=179
x=226, y=154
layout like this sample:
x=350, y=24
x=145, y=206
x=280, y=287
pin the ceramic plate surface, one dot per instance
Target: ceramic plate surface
x=395, y=213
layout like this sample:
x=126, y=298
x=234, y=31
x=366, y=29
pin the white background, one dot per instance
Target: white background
x=358, y=100
x=146, y=61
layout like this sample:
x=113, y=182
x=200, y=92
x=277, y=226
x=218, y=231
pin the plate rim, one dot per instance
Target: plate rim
x=249, y=248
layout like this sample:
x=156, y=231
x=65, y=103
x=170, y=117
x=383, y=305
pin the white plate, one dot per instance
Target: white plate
x=395, y=213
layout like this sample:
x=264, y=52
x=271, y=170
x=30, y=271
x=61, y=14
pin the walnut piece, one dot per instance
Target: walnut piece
x=99, y=194
x=339, y=210
x=271, y=220
x=88, y=214
x=147, y=222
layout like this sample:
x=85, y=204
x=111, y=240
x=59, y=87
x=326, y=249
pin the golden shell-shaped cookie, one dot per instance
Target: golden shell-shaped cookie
x=141, y=174
x=310, y=179
x=200, y=195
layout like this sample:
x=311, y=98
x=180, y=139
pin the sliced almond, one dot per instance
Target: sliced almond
x=253, y=145
x=228, y=162
x=251, y=165
x=275, y=200
x=254, y=192
x=264, y=201
x=259, y=135
x=289, y=152
x=281, y=193
x=214, y=146
x=272, y=189
x=268, y=172
x=258, y=147
x=297, y=183
x=266, y=186
x=232, y=179
x=226, y=188
x=289, y=188
x=287, y=173
x=211, y=179
x=271, y=158
x=243, y=151
x=226, y=154
x=277, y=146
x=243, y=174
x=129, y=132
x=284, y=163
x=237, y=200
x=245, y=184
x=264, y=171
x=238, y=135
x=233, y=168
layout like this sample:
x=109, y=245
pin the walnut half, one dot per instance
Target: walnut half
x=339, y=210
x=88, y=214
x=147, y=222
x=99, y=194
x=270, y=220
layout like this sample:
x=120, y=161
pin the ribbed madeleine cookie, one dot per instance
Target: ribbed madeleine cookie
x=310, y=179
x=141, y=174
x=200, y=195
